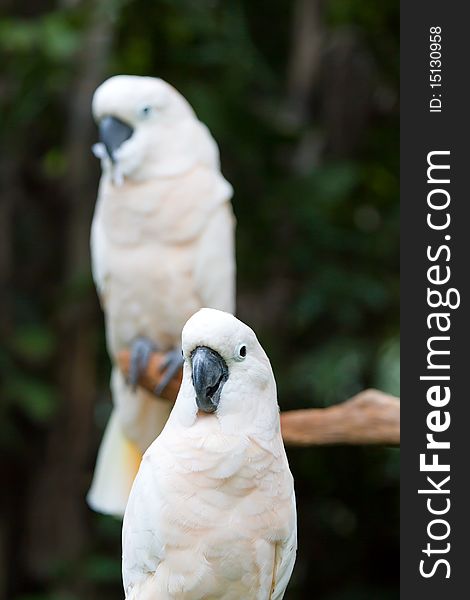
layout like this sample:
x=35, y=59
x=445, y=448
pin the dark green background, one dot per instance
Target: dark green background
x=302, y=98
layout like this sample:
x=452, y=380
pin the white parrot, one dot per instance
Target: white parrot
x=212, y=514
x=162, y=244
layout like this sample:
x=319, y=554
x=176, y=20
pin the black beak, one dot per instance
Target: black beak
x=209, y=375
x=113, y=132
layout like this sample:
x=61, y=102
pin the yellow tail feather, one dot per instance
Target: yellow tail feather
x=116, y=467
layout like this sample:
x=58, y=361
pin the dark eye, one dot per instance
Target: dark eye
x=241, y=352
x=145, y=111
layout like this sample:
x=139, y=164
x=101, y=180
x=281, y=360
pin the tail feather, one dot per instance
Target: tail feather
x=116, y=467
x=137, y=419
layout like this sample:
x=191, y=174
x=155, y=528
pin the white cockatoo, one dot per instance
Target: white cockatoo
x=212, y=510
x=162, y=246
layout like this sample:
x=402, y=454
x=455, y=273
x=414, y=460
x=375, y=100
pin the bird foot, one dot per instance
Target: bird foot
x=141, y=350
x=170, y=366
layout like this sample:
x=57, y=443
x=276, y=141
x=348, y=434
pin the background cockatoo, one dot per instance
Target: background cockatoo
x=212, y=510
x=162, y=245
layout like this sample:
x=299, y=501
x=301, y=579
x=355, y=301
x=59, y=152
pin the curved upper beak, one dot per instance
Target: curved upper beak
x=209, y=372
x=113, y=132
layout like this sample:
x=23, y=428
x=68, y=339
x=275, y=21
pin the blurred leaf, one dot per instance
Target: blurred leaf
x=102, y=569
x=35, y=398
x=33, y=343
x=52, y=34
x=57, y=37
x=54, y=163
x=333, y=373
x=387, y=377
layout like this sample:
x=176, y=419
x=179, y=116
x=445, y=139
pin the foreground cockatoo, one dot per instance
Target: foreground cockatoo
x=162, y=247
x=211, y=514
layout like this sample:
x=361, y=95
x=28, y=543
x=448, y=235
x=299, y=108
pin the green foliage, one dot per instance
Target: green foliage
x=33, y=343
x=35, y=398
x=52, y=36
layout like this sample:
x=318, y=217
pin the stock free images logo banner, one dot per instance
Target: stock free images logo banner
x=435, y=314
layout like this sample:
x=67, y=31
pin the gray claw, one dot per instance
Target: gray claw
x=141, y=350
x=170, y=366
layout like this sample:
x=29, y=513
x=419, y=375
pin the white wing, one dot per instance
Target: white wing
x=214, y=272
x=99, y=267
x=141, y=547
x=285, y=559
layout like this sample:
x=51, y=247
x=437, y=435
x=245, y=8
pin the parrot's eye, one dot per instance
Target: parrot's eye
x=145, y=112
x=241, y=352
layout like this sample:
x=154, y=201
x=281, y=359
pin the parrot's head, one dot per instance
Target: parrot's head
x=147, y=129
x=227, y=372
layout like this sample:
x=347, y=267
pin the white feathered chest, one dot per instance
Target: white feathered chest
x=204, y=516
x=145, y=239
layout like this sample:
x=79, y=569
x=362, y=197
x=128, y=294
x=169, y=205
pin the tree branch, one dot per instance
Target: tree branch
x=370, y=417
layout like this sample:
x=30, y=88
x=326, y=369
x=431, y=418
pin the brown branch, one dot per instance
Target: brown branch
x=370, y=417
